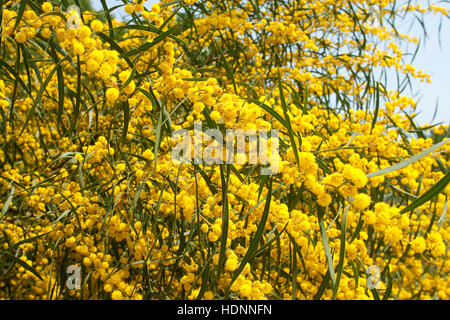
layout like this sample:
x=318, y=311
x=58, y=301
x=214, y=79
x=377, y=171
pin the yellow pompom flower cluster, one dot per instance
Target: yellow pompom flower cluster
x=87, y=178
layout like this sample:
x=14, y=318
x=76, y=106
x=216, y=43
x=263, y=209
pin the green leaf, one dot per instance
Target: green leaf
x=388, y=292
x=294, y=270
x=15, y=245
x=268, y=109
x=407, y=162
x=7, y=202
x=224, y=177
x=322, y=286
x=76, y=110
x=39, y=94
x=158, y=137
x=327, y=250
x=114, y=45
x=148, y=45
x=340, y=266
x=126, y=120
x=227, y=66
x=20, y=12
x=108, y=18
x=288, y=121
x=377, y=108
x=61, y=95
x=130, y=78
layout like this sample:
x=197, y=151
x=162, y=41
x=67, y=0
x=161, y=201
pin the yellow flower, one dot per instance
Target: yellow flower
x=354, y=175
x=70, y=242
x=231, y=264
x=307, y=163
x=215, y=116
x=46, y=32
x=31, y=32
x=351, y=251
x=78, y=48
x=121, y=166
x=129, y=8
x=204, y=228
x=324, y=199
x=245, y=290
x=129, y=89
x=89, y=197
x=87, y=262
x=148, y=154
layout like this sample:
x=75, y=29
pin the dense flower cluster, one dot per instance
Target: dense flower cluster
x=87, y=179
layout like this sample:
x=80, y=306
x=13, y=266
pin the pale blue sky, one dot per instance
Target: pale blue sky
x=433, y=58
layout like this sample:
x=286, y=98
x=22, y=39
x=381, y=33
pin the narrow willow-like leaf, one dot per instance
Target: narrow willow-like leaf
x=429, y=194
x=227, y=67
x=258, y=234
x=340, y=266
x=224, y=178
x=148, y=45
x=22, y=6
x=407, y=162
x=7, y=203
